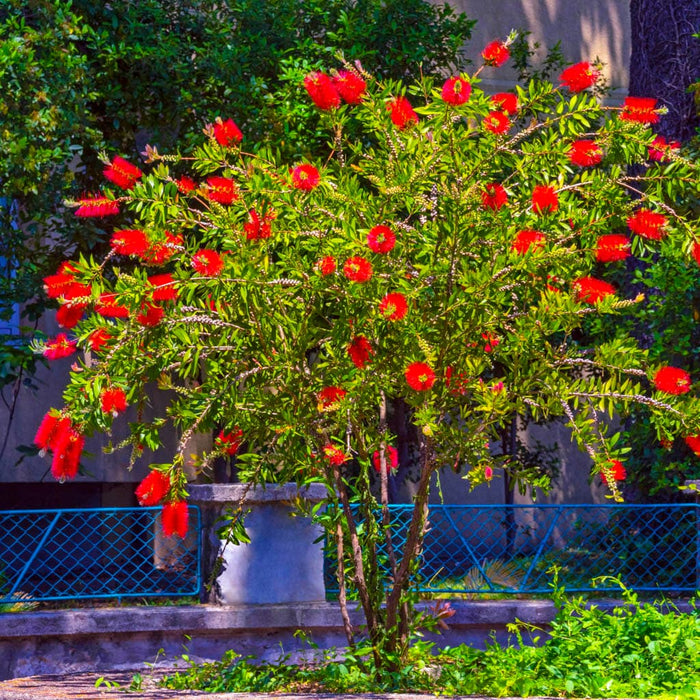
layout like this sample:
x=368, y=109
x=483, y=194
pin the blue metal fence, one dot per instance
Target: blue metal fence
x=95, y=553
x=511, y=549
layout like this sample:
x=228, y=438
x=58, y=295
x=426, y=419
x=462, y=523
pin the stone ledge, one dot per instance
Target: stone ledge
x=243, y=493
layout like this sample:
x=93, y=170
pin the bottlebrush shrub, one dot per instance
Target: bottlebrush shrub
x=256, y=330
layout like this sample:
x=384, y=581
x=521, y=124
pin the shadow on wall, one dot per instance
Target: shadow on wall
x=587, y=29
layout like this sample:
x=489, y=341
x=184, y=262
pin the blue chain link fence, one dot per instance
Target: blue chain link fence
x=95, y=553
x=510, y=549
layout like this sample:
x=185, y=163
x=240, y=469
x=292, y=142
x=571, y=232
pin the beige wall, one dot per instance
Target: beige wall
x=588, y=29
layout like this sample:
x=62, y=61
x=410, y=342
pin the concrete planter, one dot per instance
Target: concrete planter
x=283, y=562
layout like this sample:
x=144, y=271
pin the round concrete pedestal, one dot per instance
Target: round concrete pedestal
x=282, y=563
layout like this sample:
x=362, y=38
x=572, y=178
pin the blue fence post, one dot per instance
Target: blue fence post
x=544, y=540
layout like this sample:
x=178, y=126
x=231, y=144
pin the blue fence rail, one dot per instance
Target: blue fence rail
x=95, y=553
x=510, y=549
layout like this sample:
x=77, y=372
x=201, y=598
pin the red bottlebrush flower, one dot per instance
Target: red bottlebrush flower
x=639, y=109
x=69, y=315
x=58, y=285
x=150, y=314
x=97, y=206
x=98, y=339
x=227, y=132
x=492, y=342
x=456, y=91
x=153, y=489
x=401, y=113
x=77, y=291
x=58, y=347
x=544, y=199
x=391, y=459
x=50, y=431
x=221, y=189
x=350, y=86
x=164, y=287
x=661, y=149
x=66, y=456
x=696, y=252
x=648, y=224
x=358, y=269
x=129, y=242
x=327, y=265
x=322, y=90
x=496, y=122
x=393, y=306
x=592, y=290
x=173, y=518
x=108, y=307
x=186, y=184
x=329, y=397
x=579, y=77
x=257, y=228
x=160, y=252
x=420, y=376
x=495, y=54
x=113, y=401
x=360, y=351
x=693, y=441
x=585, y=153
x=122, y=173
x=612, y=247
x=229, y=443
x=456, y=382
x=335, y=455
x=381, y=239
x=208, y=263
x=618, y=471
x=305, y=177
x=505, y=102
x=672, y=380
x=526, y=240
x=494, y=196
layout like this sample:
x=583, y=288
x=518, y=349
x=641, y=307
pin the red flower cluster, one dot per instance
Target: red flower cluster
x=207, y=262
x=544, y=199
x=494, y=196
x=579, y=77
x=58, y=347
x=322, y=91
x=393, y=306
x=129, y=242
x=696, y=252
x=639, y=109
x=491, y=342
x=335, y=455
x=456, y=91
x=401, y=113
x=612, y=247
x=163, y=287
x=585, y=153
x=59, y=435
x=495, y=54
x=227, y=132
x=159, y=252
x=122, y=173
x=526, y=240
x=391, y=459
x=305, y=177
x=221, y=189
x=618, y=471
x=693, y=441
x=186, y=184
x=69, y=315
x=648, y=224
x=173, y=518
x=153, y=489
x=360, y=351
x=61, y=284
x=381, y=239
x=456, y=382
x=661, y=149
x=229, y=443
x=350, y=86
x=497, y=122
x=672, y=380
x=97, y=206
x=107, y=306
x=98, y=339
x=592, y=290
x=327, y=265
x=150, y=314
x=113, y=401
x=329, y=397
x=258, y=228
x=420, y=376
x=505, y=102
x=358, y=269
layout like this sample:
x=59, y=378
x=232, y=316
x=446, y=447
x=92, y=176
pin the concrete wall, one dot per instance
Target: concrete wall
x=588, y=29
